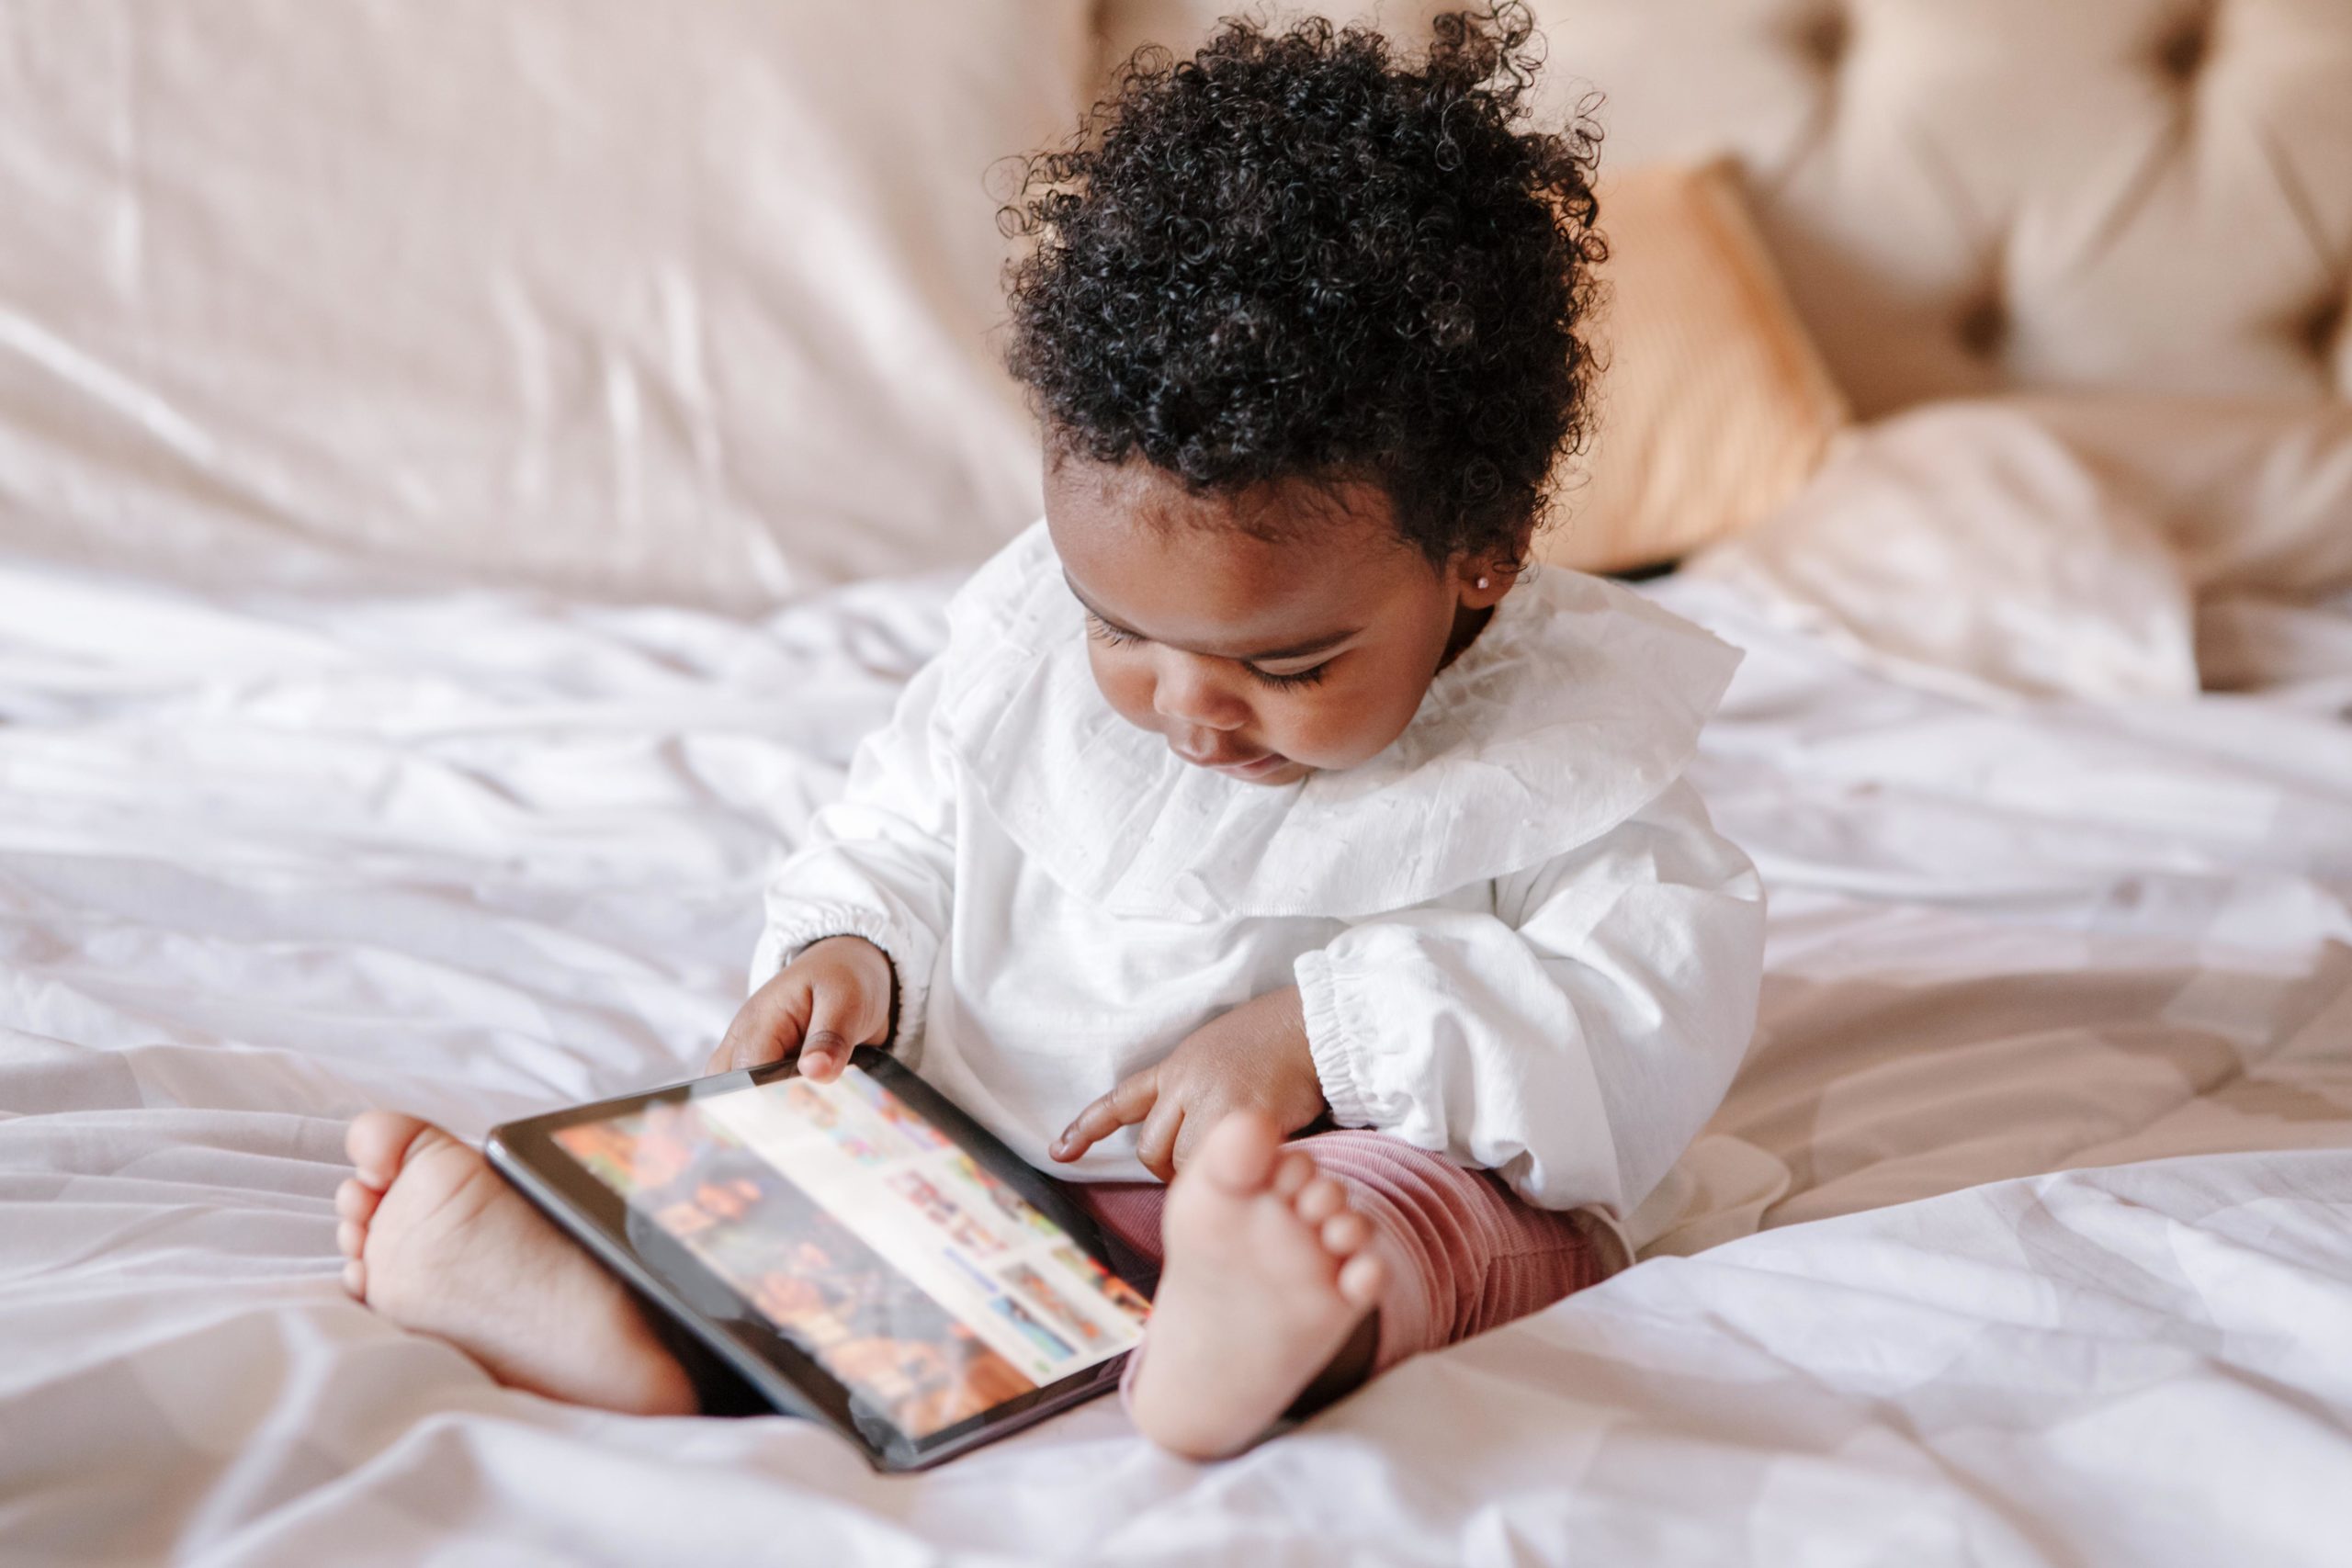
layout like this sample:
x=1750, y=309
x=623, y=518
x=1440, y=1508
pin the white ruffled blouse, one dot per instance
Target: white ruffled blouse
x=1517, y=937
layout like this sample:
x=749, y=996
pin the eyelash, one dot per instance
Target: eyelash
x=1103, y=631
x=1096, y=626
x=1292, y=680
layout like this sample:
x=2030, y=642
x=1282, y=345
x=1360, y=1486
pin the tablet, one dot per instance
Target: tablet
x=860, y=1252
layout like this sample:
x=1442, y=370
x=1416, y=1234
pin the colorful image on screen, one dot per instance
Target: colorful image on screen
x=931, y=1289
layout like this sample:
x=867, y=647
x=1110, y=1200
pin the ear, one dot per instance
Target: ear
x=1481, y=580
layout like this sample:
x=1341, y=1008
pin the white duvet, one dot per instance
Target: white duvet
x=265, y=859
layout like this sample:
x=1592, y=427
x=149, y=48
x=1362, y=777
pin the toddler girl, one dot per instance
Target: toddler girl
x=1255, y=793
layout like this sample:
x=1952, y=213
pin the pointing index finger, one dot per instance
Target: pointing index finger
x=1127, y=1103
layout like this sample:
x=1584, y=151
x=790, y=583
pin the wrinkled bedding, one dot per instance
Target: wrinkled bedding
x=266, y=859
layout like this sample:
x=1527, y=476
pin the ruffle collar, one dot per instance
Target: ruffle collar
x=1578, y=703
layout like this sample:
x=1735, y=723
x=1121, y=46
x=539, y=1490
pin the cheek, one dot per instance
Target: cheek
x=1124, y=678
x=1339, y=732
x=1343, y=722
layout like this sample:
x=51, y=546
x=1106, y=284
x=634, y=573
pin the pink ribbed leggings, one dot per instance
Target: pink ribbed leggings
x=1464, y=1254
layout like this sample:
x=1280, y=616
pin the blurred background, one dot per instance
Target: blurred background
x=695, y=302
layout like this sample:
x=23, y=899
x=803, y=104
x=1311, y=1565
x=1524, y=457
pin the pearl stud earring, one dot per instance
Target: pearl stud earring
x=1482, y=582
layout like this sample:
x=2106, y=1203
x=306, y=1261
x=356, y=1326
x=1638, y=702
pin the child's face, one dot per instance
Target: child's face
x=1264, y=659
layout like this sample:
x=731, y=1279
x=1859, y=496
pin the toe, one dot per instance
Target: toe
x=377, y=1142
x=354, y=1280
x=1362, y=1279
x=1238, y=1152
x=1292, y=1171
x=356, y=1202
x=351, y=1238
x=1345, y=1233
x=1320, y=1199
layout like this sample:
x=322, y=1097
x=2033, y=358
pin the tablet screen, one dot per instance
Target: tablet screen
x=914, y=1277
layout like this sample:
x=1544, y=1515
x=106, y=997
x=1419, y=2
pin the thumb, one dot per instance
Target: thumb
x=833, y=1027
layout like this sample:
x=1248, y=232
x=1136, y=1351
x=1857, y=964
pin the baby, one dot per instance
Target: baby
x=1261, y=793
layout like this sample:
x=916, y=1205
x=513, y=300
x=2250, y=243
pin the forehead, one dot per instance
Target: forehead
x=1224, y=574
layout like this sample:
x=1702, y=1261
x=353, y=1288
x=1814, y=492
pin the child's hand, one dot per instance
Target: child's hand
x=1255, y=1057
x=836, y=995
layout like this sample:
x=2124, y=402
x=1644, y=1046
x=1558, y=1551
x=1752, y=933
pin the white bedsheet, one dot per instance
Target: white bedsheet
x=264, y=861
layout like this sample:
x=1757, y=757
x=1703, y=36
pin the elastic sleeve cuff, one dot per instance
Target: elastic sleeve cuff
x=1335, y=1036
x=785, y=940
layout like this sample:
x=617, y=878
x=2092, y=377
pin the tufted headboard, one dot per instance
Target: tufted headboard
x=1973, y=195
x=671, y=302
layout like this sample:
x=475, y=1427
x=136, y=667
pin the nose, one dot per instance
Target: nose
x=1187, y=690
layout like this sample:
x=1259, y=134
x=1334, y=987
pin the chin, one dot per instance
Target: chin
x=1271, y=771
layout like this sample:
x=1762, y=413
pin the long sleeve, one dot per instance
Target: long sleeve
x=1572, y=1036
x=879, y=863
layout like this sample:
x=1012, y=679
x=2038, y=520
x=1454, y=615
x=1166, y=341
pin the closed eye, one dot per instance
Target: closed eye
x=1103, y=631
x=1118, y=636
x=1296, y=678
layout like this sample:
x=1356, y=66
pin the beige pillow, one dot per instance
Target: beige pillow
x=1963, y=547
x=2254, y=493
x=1714, y=406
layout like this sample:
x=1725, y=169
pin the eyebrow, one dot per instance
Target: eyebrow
x=1262, y=656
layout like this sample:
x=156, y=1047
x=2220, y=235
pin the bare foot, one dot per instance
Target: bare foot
x=437, y=1242
x=1265, y=1278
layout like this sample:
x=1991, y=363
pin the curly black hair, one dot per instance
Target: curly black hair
x=1295, y=256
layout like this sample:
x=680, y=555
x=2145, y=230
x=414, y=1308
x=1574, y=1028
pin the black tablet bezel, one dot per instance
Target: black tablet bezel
x=660, y=1268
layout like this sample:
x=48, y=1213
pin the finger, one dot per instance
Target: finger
x=1156, y=1143
x=744, y=1023
x=722, y=1055
x=758, y=1050
x=1190, y=1132
x=1129, y=1102
x=764, y=1029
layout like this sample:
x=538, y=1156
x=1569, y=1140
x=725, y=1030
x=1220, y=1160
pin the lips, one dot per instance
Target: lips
x=1219, y=759
x=1240, y=764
